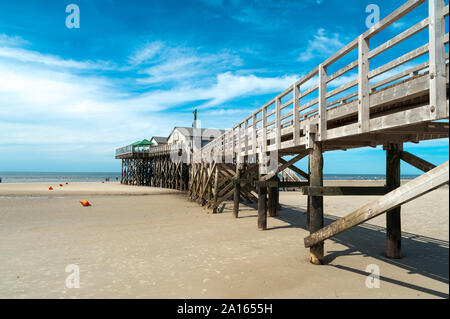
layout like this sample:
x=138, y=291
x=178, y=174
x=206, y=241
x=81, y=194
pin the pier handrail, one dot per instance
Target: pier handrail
x=258, y=128
x=148, y=150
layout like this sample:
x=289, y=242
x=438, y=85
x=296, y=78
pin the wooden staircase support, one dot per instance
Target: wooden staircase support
x=419, y=186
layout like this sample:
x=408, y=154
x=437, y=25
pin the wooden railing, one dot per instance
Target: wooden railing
x=297, y=113
x=148, y=150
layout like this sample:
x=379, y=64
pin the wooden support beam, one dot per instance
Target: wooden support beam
x=272, y=200
x=237, y=191
x=222, y=199
x=281, y=184
x=415, y=161
x=345, y=190
x=247, y=190
x=296, y=169
x=216, y=183
x=227, y=188
x=316, y=252
x=209, y=179
x=262, y=207
x=282, y=167
x=419, y=186
x=393, y=217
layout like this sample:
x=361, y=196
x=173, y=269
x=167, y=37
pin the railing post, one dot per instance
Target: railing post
x=296, y=115
x=223, y=148
x=254, y=142
x=278, y=123
x=438, y=91
x=322, y=102
x=264, y=132
x=363, y=85
x=228, y=152
x=239, y=146
x=233, y=146
x=246, y=138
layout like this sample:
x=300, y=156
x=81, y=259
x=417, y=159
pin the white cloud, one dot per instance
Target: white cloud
x=230, y=86
x=323, y=45
x=10, y=51
x=42, y=102
x=160, y=63
x=12, y=40
x=145, y=53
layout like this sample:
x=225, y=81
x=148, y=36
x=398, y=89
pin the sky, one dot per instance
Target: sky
x=135, y=69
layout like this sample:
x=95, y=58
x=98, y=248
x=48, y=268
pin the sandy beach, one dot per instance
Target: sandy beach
x=142, y=242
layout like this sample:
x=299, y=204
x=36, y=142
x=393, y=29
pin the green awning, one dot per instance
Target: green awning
x=144, y=142
x=136, y=143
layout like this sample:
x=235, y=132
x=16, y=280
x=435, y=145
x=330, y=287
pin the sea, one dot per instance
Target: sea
x=53, y=177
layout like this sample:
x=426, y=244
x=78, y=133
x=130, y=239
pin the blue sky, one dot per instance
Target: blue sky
x=134, y=69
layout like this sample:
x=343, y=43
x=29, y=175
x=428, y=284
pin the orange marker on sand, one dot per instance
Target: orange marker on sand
x=61, y=185
x=50, y=188
x=85, y=203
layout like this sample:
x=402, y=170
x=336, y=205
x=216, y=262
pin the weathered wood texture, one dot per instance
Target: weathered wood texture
x=393, y=216
x=345, y=190
x=262, y=207
x=417, y=162
x=419, y=186
x=316, y=252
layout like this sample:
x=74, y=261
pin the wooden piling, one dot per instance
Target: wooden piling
x=272, y=200
x=316, y=252
x=262, y=207
x=393, y=217
x=237, y=191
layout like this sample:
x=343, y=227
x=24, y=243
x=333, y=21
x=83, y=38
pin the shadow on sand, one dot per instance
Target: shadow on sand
x=421, y=255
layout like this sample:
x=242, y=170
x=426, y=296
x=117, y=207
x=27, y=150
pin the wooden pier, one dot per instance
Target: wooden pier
x=389, y=105
x=143, y=168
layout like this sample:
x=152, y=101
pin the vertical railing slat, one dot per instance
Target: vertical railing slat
x=438, y=91
x=246, y=138
x=363, y=85
x=254, y=142
x=296, y=115
x=264, y=131
x=322, y=102
x=239, y=144
x=278, y=123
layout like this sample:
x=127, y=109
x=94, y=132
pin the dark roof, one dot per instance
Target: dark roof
x=188, y=131
x=160, y=139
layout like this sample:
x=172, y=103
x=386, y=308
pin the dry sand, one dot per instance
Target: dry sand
x=162, y=245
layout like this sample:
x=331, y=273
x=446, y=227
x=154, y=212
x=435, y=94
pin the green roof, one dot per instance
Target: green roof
x=136, y=143
x=144, y=142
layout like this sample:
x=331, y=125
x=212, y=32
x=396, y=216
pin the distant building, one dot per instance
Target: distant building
x=158, y=140
x=186, y=134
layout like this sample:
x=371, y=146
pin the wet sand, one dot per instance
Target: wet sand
x=141, y=242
